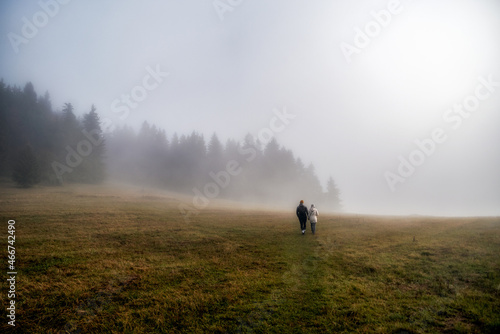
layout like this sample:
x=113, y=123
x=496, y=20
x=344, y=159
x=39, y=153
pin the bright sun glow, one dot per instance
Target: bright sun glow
x=437, y=54
x=425, y=64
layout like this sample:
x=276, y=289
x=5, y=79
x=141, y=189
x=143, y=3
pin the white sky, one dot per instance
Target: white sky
x=353, y=119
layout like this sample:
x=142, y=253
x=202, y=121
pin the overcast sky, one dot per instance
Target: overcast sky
x=364, y=80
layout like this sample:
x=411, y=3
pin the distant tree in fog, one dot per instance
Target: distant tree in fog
x=121, y=159
x=69, y=134
x=215, y=154
x=54, y=137
x=4, y=128
x=26, y=118
x=71, y=127
x=332, y=199
x=26, y=169
x=93, y=169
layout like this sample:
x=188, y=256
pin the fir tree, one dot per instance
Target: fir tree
x=93, y=165
x=26, y=170
x=333, y=195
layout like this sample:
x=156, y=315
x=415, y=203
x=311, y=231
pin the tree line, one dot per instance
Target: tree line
x=38, y=144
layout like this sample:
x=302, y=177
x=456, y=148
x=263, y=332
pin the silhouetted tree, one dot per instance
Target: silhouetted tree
x=28, y=118
x=26, y=170
x=332, y=196
x=215, y=155
x=122, y=157
x=4, y=128
x=70, y=122
x=93, y=168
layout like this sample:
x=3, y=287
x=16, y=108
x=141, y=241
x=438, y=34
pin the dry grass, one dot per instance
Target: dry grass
x=122, y=260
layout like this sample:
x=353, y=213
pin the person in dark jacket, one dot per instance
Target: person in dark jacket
x=302, y=214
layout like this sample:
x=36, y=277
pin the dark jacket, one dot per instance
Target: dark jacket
x=302, y=211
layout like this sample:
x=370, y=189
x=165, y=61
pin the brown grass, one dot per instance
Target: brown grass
x=96, y=259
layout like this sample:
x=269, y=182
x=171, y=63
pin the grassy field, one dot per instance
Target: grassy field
x=123, y=260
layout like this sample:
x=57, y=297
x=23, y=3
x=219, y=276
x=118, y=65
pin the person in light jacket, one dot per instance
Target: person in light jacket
x=313, y=218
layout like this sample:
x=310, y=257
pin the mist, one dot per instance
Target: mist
x=395, y=102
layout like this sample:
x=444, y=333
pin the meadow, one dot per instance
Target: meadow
x=95, y=259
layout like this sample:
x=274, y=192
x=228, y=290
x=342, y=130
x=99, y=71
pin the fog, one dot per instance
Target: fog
x=398, y=101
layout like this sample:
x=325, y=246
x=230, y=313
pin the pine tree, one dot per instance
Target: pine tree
x=333, y=195
x=4, y=124
x=215, y=153
x=26, y=170
x=69, y=119
x=93, y=165
x=70, y=135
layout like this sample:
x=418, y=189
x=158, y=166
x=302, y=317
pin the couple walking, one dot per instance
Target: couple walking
x=303, y=214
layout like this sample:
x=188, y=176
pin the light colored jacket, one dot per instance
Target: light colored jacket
x=313, y=214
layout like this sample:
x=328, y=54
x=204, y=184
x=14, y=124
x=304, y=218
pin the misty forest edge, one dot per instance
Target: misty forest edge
x=40, y=145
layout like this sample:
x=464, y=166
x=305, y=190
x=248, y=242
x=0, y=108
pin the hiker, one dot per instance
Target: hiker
x=302, y=214
x=313, y=217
